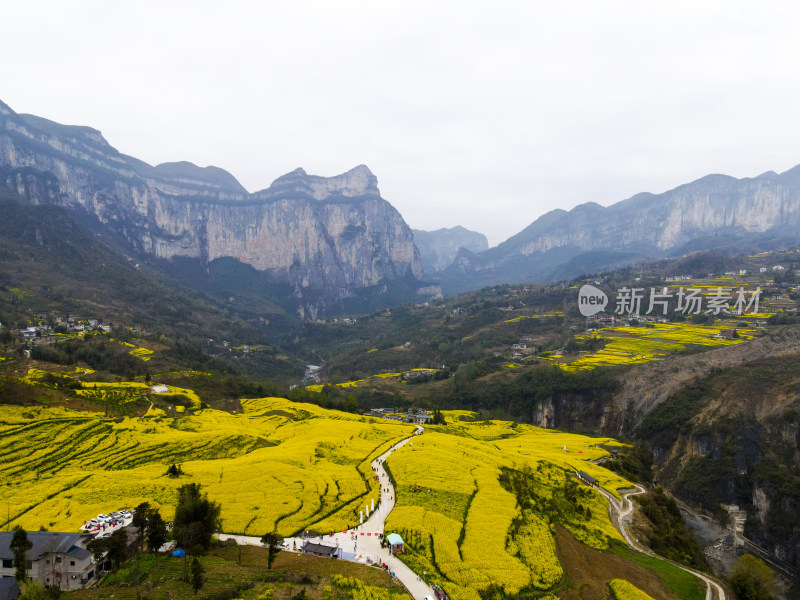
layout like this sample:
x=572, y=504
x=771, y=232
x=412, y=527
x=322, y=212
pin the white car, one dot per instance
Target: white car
x=125, y=514
x=104, y=518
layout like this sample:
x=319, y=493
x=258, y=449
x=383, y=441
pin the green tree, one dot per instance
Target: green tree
x=32, y=591
x=751, y=579
x=196, y=518
x=197, y=575
x=273, y=542
x=174, y=470
x=20, y=544
x=98, y=548
x=140, y=516
x=156, y=531
x=117, y=545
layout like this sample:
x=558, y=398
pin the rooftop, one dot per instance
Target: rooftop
x=43, y=542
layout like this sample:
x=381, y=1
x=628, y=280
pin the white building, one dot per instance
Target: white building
x=56, y=559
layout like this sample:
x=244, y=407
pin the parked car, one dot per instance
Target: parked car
x=126, y=514
x=104, y=518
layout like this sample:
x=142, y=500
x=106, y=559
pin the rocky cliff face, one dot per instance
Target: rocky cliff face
x=438, y=248
x=713, y=212
x=331, y=235
x=724, y=428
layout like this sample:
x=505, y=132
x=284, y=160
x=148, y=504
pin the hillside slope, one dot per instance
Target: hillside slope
x=55, y=266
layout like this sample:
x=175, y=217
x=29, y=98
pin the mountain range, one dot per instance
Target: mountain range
x=715, y=212
x=325, y=237
x=329, y=240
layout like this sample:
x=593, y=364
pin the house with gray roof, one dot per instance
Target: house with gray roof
x=321, y=549
x=56, y=559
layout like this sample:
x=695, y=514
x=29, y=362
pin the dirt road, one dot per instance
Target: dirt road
x=621, y=516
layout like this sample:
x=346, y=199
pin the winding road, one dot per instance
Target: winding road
x=620, y=513
x=363, y=543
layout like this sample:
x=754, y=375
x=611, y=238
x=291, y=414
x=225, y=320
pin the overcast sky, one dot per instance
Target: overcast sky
x=481, y=114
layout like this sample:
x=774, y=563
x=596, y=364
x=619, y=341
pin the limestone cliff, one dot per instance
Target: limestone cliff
x=715, y=212
x=331, y=236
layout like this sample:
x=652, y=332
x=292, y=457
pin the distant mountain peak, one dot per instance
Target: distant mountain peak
x=438, y=249
x=187, y=172
x=358, y=181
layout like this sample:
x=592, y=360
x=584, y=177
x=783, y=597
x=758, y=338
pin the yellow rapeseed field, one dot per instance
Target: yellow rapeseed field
x=635, y=345
x=279, y=465
x=293, y=466
x=453, y=512
x=625, y=590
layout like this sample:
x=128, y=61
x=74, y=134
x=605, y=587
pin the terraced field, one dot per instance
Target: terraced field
x=454, y=512
x=279, y=465
x=292, y=466
x=636, y=345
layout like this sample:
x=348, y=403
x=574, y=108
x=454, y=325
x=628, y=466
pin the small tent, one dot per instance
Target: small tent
x=179, y=553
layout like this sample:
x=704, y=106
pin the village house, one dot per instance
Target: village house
x=320, y=550
x=602, y=318
x=418, y=416
x=415, y=376
x=56, y=559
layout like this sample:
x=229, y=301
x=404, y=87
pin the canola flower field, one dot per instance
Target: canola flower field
x=625, y=590
x=453, y=512
x=317, y=387
x=636, y=345
x=289, y=467
x=279, y=465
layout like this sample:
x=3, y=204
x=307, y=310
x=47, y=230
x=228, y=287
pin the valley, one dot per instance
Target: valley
x=161, y=326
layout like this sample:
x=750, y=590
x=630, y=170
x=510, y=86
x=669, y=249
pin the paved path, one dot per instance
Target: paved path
x=620, y=513
x=363, y=543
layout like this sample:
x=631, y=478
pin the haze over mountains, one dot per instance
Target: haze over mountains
x=333, y=238
x=439, y=248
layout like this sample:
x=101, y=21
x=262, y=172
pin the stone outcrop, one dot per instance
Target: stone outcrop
x=329, y=235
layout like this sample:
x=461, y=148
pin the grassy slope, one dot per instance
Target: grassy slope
x=246, y=577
